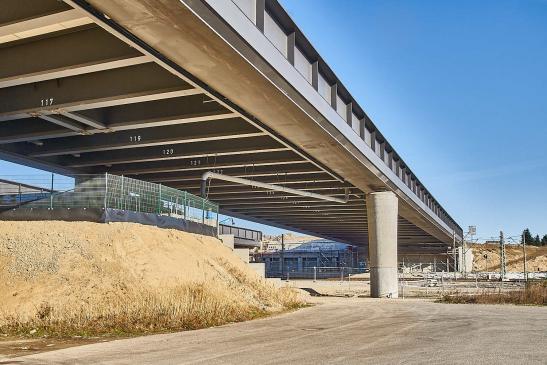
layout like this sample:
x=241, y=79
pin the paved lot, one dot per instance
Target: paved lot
x=340, y=331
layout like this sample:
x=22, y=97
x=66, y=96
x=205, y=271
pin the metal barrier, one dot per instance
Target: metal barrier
x=315, y=273
x=242, y=233
x=103, y=191
x=15, y=193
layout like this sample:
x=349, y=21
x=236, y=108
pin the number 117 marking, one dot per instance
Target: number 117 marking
x=46, y=102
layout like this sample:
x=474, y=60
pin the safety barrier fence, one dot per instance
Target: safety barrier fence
x=315, y=273
x=103, y=191
x=438, y=284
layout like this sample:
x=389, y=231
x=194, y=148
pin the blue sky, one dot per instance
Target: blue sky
x=458, y=87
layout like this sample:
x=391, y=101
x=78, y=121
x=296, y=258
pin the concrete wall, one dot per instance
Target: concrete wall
x=227, y=240
x=242, y=253
x=259, y=268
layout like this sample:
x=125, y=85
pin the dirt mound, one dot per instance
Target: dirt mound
x=536, y=258
x=89, y=268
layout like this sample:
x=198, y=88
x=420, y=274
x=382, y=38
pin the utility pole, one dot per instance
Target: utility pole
x=464, y=261
x=524, y=256
x=454, y=253
x=502, y=256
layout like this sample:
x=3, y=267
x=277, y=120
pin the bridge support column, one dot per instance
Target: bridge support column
x=382, y=210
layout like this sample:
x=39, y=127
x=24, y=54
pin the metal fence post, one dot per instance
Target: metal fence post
x=105, y=190
x=159, y=200
x=19, y=205
x=123, y=203
x=349, y=281
x=218, y=228
x=314, y=274
x=184, y=207
x=51, y=193
x=202, y=211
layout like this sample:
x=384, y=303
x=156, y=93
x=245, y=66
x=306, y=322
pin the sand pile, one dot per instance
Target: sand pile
x=536, y=258
x=91, y=266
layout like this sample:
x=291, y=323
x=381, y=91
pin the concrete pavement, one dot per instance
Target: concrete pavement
x=340, y=331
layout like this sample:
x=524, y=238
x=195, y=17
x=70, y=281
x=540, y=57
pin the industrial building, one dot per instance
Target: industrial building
x=317, y=258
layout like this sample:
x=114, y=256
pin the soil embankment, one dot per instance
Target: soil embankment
x=486, y=257
x=66, y=278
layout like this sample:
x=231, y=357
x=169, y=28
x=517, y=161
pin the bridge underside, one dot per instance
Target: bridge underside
x=79, y=98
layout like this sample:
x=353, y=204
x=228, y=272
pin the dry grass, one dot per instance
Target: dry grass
x=535, y=293
x=266, y=293
x=143, y=312
x=140, y=311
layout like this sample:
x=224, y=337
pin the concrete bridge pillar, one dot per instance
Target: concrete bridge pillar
x=382, y=208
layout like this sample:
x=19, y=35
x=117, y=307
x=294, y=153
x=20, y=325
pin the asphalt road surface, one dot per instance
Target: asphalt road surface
x=340, y=331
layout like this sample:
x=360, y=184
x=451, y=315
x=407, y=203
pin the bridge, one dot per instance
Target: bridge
x=168, y=90
x=243, y=237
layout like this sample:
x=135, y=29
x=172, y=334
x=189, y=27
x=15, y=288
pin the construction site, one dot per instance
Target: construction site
x=199, y=183
x=127, y=249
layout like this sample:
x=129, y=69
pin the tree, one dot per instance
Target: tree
x=534, y=240
x=528, y=237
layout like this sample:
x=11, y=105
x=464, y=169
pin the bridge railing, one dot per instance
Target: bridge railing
x=239, y=232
